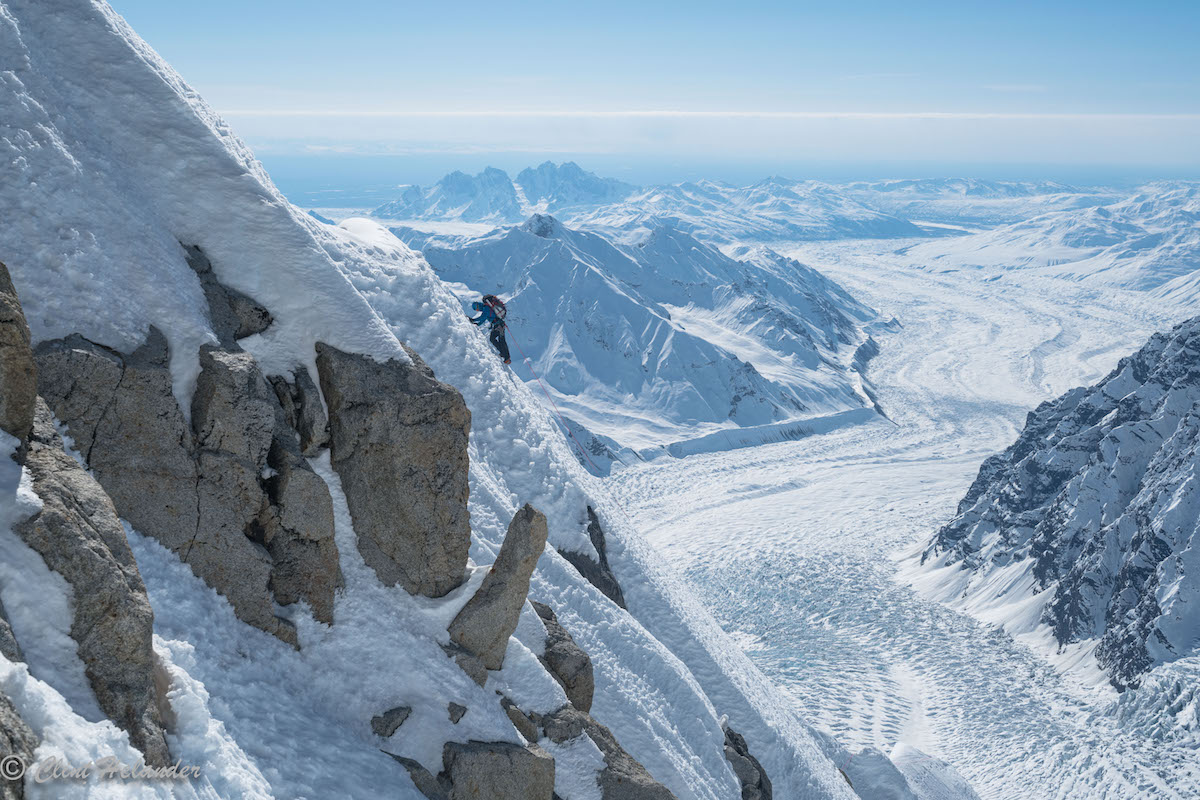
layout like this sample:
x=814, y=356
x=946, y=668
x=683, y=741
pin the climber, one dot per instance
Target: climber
x=492, y=309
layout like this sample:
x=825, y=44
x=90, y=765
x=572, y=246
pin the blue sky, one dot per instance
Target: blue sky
x=922, y=83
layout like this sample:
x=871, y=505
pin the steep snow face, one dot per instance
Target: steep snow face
x=487, y=197
x=775, y=209
x=551, y=187
x=113, y=163
x=1147, y=242
x=1088, y=523
x=98, y=197
x=969, y=201
x=659, y=337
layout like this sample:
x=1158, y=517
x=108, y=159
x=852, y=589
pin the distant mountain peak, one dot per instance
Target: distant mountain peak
x=543, y=225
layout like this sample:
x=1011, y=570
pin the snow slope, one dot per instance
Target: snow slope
x=114, y=163
x=658, y=338
x=1148, y=242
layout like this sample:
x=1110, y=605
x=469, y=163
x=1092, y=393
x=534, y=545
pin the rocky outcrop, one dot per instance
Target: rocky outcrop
x=566, y=661
x=390, y=721
x=597, y=573
x=455, y=711
x=398, y=439
x=303, y=410
x=8, y=642
x=486, y=771
x=1095, y=500
x=623, y=777
x=79, y=536
x=234, y=315
x=231, y=495
x=16, y=739
x=489, y=618
x=18, y=375
x=498, y=771
x=750, y=773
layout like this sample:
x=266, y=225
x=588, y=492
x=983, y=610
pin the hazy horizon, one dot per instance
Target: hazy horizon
x=654, y=93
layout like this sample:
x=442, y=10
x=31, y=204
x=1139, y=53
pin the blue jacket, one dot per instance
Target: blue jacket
x=486, y=315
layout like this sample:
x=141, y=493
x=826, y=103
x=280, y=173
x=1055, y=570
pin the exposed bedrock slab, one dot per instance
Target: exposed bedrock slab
x=566, y=661
x=18, y=375
x=79, y=536
x=230, y=494
x=398, y=440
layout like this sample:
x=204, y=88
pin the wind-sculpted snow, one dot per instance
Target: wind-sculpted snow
x=660, y=338
x=1094, y=512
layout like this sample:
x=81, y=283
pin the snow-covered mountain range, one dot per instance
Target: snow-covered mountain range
x=657, y=338
x=1085, y=528
x=1147, y=242
x=270, y=507
x=774, y=209
x=492, y=196
x=974, y=202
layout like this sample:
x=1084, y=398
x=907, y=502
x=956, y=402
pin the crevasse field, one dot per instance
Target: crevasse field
x=806, y=550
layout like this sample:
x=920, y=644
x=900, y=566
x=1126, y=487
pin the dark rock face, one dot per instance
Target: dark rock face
x=623, y=777
x=231, y=495
x=486, y=771
x=398, y=439
x=597, y=573
x=389, y=721
x=18, y=375
x=498, y=771
x=16, y=739
x=234, y=315
x=302, y=410
x=8, y=642
x=456, y=712
x=490, y=617
x=1096, y=497
x=755, y=783
x=566, y=661
x=79, y=536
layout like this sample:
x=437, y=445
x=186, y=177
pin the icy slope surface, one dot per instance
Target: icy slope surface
x=116, y=162
x=1148, y=242
x=1088, y=522
x=793, y=545
x=660, y=338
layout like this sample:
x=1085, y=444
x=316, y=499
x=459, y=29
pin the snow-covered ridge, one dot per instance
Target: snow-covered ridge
x=1085, y=528
x=658, y=338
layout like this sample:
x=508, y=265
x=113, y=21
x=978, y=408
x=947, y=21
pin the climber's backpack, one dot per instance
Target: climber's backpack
x=496, y=305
